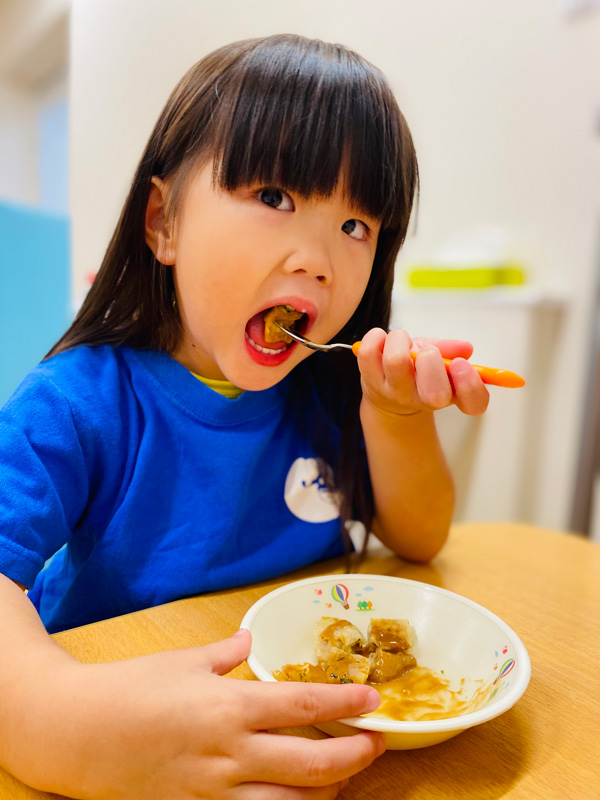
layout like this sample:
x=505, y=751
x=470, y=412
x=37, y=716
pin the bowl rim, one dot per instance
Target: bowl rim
x=507, y=699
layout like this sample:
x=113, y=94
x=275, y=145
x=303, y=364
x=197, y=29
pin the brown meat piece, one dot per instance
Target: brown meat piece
x=393, y=635
x=387, y=666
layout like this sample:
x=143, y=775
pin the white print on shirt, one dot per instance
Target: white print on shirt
x=306, y=493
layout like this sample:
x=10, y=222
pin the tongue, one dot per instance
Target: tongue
x=256, y=331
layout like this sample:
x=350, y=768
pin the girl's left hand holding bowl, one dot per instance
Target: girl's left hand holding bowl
x=168, y=726
x=392, y=384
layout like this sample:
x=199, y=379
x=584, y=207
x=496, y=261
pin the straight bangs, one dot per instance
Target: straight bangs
x=281, y=111
x=303, y=115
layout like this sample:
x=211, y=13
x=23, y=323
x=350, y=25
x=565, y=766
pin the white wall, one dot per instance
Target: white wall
x=502, y=98
x=33, y=84
x=18, y=146
x=33, y=39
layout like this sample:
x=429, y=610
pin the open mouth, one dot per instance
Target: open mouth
x=265, y=336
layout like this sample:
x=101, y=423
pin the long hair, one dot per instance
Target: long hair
x=285, y=111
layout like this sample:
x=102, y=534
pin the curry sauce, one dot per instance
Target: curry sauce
x=382, y=660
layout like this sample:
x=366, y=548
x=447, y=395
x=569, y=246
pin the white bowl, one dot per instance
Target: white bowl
x=453, y=635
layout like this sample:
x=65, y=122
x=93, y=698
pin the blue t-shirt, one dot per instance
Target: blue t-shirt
x=149, y=486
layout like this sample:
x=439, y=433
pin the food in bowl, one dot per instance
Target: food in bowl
x=381, y=659
x=460, y=640
x=345, y=655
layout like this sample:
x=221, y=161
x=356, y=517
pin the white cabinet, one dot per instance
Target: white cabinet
x=494, y=458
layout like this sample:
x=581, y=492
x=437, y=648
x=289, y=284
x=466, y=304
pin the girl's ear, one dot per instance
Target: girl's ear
x=159, y=236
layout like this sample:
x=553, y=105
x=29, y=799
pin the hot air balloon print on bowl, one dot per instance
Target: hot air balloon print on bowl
x=457, y=638
x=340, y=593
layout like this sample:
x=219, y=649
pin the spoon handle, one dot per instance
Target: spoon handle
x=489, y=375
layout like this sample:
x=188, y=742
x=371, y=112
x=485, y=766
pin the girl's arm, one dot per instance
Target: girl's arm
x=412, y=485
x=165, y=725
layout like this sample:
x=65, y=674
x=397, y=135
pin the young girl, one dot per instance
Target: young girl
x=173, y=444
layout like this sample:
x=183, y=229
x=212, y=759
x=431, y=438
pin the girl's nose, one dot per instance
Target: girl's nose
x=313, y=261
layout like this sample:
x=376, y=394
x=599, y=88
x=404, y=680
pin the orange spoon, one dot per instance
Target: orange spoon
x=489, y=375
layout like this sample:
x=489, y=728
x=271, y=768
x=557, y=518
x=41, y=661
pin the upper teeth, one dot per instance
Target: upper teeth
x=267, y=350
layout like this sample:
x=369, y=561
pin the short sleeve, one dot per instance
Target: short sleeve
x=44, y=484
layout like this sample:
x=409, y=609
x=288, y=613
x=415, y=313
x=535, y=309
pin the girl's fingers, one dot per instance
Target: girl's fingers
x=432, y=379
x=221, y=657
x=296, y=761
x=392, y=382
x=370, y=356
x=290, y=705
x=270, y=791
x=397, y=364
x=470, y=394
x=449, y=348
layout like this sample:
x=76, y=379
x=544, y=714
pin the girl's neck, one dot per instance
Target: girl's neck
x=188, y=355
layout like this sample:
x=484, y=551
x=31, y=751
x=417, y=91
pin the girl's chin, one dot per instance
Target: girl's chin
x=258, y=371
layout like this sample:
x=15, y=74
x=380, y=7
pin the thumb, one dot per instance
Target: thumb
x=221, y=657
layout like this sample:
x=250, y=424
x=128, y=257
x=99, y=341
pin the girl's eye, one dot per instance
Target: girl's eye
x=276, y=198
x=356, y=229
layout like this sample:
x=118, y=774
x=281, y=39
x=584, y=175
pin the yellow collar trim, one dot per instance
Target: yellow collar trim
x=226, y=388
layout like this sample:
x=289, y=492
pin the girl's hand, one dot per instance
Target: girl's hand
x=393, y=384
x=169, y=726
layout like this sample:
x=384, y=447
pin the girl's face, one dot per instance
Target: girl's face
x=237, y=254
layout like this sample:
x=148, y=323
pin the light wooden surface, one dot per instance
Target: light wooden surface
x=544, y=584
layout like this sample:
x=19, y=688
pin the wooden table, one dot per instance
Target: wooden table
x=544, y=584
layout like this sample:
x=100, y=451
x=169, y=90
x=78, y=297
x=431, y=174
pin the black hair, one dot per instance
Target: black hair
x=280, y=111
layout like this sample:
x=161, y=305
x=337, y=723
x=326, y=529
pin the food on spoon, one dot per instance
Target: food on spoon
x=284, y=315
